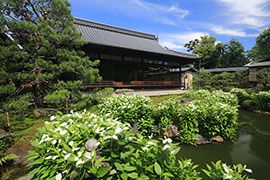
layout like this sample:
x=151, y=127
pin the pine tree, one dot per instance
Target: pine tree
x=40, y=50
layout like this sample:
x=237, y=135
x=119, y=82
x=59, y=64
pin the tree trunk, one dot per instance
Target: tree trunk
x=38, y=97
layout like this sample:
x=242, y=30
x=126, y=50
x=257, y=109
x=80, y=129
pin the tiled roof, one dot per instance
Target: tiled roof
x=258, y=64
x=106, y=35
x=231, y=69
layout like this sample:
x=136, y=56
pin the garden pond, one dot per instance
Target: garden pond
x=251, y=147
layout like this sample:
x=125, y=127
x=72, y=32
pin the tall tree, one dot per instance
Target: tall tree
x=234, y=54
x=261, y=50
x=206, y=49
x=43, y=51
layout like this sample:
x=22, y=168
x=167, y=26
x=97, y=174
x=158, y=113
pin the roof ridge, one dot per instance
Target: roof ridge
x=106, y=27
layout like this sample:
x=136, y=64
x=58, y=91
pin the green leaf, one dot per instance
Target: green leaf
x=133, y=175
x=118, y=166
x=129, y=168
x=103, y=171
x=157, y=168
x=143, y=177
x=124, y=176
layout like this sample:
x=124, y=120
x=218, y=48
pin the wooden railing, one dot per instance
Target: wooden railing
x=118, y=84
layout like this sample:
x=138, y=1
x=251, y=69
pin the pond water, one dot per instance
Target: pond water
x=252, y=146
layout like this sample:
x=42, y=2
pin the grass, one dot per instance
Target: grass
x=159, y=99
x=25, y=131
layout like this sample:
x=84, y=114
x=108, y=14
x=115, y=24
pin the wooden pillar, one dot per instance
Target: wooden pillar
x=180, y=74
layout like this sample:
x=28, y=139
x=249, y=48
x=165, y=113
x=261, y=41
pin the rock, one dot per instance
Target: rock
x=135, y=128
x=201, y=140
x=91, y=145
x=43, y=112
x=171, y=131
x=124, y=91
x=3, y=134
x=218, y=139
x=185, y=101
x=155, y=128
x=259, y=86
x=27, y=177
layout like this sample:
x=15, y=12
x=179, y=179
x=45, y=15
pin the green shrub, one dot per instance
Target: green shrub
x=202, y=80
x=224, y=81
x=189, y=117
x=208, y=119
x=167, y=113
x=59, y=151
x=249, y=104
x=18, y=105
x=217, y=119
x=214, y=96
x=241, y=94
x=263, y=100
x=197, y=94
x=221, y=170
x=130, y=109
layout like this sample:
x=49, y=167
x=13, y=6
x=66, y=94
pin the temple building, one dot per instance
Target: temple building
x=129, y=58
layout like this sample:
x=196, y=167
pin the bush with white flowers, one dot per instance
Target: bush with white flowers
x=87, y=146
x=84, y=145
x=130, y=109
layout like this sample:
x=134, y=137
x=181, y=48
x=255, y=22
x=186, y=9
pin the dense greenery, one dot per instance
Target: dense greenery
x=215, y=54
x=209, y=114
x=253, y=100
x=221, y=170
x=130, y=109
x=261, y=50
x=84, y=145
x=40, y=53
x=224, y=81
x=60, y=151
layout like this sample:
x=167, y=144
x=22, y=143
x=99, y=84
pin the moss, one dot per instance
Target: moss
x=159, y=99
x=21, y=147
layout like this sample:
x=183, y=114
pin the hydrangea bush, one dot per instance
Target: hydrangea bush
x=61, y=151
x=87, y=146
x=130, y=109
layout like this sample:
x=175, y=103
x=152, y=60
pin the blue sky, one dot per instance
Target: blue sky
x=178, y=21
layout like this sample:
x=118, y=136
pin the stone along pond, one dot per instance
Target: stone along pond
x=251, y=147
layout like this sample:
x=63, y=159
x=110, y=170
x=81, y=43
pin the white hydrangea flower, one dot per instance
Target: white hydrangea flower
x=118, y=130
x=150, y=143
x=54, y=142
x=71, y=143
x=168, y=140
x=58, y=176
x=79, y=162
x=63, y=132
x=145, y=148
x=166, y=147
x=67, y=156
x=48, y=157
x=87, y=155
x=54, y=157
x=226, y=168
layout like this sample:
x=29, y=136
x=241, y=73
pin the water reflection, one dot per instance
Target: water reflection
x=252, y=146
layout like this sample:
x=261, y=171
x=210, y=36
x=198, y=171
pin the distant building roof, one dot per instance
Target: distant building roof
x=220, y=70
x=101, y=34
x=259, y=64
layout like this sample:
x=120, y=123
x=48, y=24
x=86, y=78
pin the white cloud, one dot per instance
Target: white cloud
x=252, y=13
x=166, y=14
x=229, y=31
x=177, y=41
